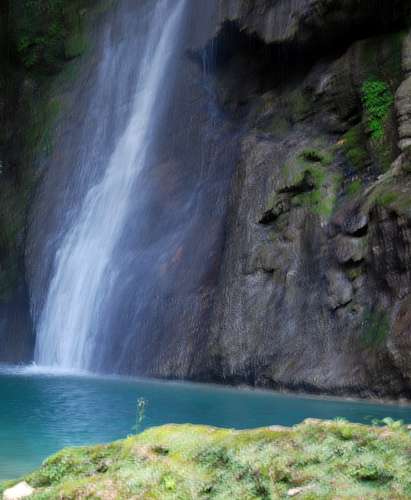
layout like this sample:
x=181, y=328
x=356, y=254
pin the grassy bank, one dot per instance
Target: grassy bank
x=314, y=460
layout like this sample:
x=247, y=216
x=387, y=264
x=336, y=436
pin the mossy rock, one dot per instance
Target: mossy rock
x=394, y=195
x=325, y=459
x=75, y=46
x=299, y=105
x=354, y=187
x=376, y=328
x=354, y=145
x=381, y=58
x=406, y=160
x=309, y=182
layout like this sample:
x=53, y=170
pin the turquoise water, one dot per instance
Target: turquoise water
x=42, y=413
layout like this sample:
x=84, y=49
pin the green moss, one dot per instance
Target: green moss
x=279, y=125
x=321, y=198
x=384, y=150
x=42, y=35
x=386, y=198
x=309, y=183
x=354, y=187
x=317, y=156
x=299, y=105
x=382, y=57
x=75, y=46
x=38, y=134
x=353, y=143
x=45, y=33
x=328, y=458
x=355, y=272
x=378, y=101
x=376, y=328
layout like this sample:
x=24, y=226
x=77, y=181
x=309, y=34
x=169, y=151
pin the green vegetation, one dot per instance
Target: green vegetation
x=38, y=135
x=354, y=187
x=378, y=100
x=373, y=140
x=315, y=198
x=41, y=36
x=75, y=45
x=376, y=328
x=387, y=67
x=355, y=272
x=386, y=198
x=354, y=145
x=47, y=33
x=316, y=156
x=141, y=412
x=392, y=194
x=310, y=183
x=299, y=105
x=324, y=459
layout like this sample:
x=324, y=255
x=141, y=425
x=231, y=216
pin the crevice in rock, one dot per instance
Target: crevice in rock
x=273, y=64
x=305, y=185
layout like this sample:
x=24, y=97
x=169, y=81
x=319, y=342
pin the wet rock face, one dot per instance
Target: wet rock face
x=403, y=98
x=316, y=263
x=399, y=343
x=311, y=22
x=404, y=113
x=16, y=335
x=390, y=244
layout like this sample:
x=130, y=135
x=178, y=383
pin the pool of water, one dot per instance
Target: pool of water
x=41, y=413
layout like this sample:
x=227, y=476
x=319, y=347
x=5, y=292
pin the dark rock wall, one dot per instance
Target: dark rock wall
x=16, y=336
x=39, y=42
x=315, y=279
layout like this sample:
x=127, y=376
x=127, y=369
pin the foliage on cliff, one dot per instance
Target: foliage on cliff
x=44, y=34
x=37, y=39
x=311, y=461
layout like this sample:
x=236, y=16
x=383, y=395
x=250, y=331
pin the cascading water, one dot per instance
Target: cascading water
x=82, y=279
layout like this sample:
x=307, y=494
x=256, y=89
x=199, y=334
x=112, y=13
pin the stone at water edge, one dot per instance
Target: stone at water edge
x=21, y=490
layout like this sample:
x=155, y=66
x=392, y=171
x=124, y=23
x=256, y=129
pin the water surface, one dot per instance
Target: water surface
x=41, y=413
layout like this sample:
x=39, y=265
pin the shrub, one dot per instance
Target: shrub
x=377, y=100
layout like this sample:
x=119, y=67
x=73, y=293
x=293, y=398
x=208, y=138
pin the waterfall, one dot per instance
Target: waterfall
x=83, y=277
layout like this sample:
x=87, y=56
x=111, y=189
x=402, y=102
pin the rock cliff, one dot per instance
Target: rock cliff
x=315, y=281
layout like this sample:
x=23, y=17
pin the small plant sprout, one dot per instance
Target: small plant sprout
x=141, y=411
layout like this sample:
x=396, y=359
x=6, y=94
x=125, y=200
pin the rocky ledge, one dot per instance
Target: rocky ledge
x=315, y=459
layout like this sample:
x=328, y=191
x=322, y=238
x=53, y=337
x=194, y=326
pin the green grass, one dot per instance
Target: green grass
x=329, y=459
